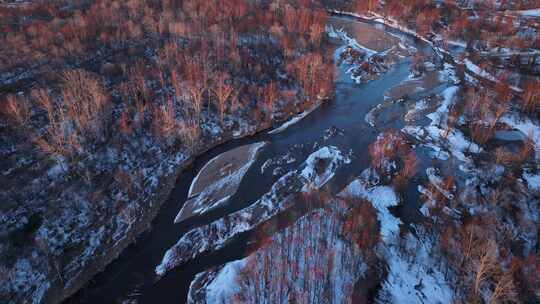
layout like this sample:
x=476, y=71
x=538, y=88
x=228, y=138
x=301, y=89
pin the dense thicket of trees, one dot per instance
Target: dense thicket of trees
x=162, y=64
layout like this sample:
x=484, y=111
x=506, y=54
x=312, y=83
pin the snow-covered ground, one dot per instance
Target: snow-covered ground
x=416, y=271
x=412, y=273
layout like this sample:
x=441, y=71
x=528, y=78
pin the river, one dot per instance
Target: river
x=131, y=278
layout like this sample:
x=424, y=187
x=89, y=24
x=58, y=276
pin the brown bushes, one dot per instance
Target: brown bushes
x=408, y=170
x=16, y=109
x=223, y=91
x=85, y=101
x=387, y=148
x=190, y=133
x=314, y=74
x=77, y=117
x=362, y=226
x=476, y=252
x=164, y=121
x=531, y=97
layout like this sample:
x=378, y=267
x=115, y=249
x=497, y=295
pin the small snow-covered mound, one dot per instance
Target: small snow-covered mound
x=221, y=286
x=321, y=165
x=364, y=64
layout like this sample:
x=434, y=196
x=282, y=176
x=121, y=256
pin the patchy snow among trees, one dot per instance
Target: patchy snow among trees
x=412, y=273
x=309, y=262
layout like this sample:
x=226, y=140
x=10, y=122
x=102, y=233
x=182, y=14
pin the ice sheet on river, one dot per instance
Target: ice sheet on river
x=318, y=169
x=218, y=180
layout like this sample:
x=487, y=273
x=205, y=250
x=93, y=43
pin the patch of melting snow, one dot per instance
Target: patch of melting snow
x=530, y=13
x=267, y=164
x=460, y=43
x=438, y=117
x=225, y=285
x=418, y=107
x=448, y=74
x=533, y=180
x=278, y=161
x=436, y=180
x=478, y=71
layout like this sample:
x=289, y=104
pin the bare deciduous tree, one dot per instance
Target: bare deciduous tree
x=223, y=91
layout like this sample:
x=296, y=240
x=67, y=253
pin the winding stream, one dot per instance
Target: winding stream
x=131, y=278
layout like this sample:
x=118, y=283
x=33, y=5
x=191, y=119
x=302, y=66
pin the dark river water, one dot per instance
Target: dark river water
x=131, y=277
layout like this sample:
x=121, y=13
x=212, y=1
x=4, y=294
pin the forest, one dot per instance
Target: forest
x=270, y=151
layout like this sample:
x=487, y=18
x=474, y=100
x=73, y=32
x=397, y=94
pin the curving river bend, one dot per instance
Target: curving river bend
x=131, y=278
